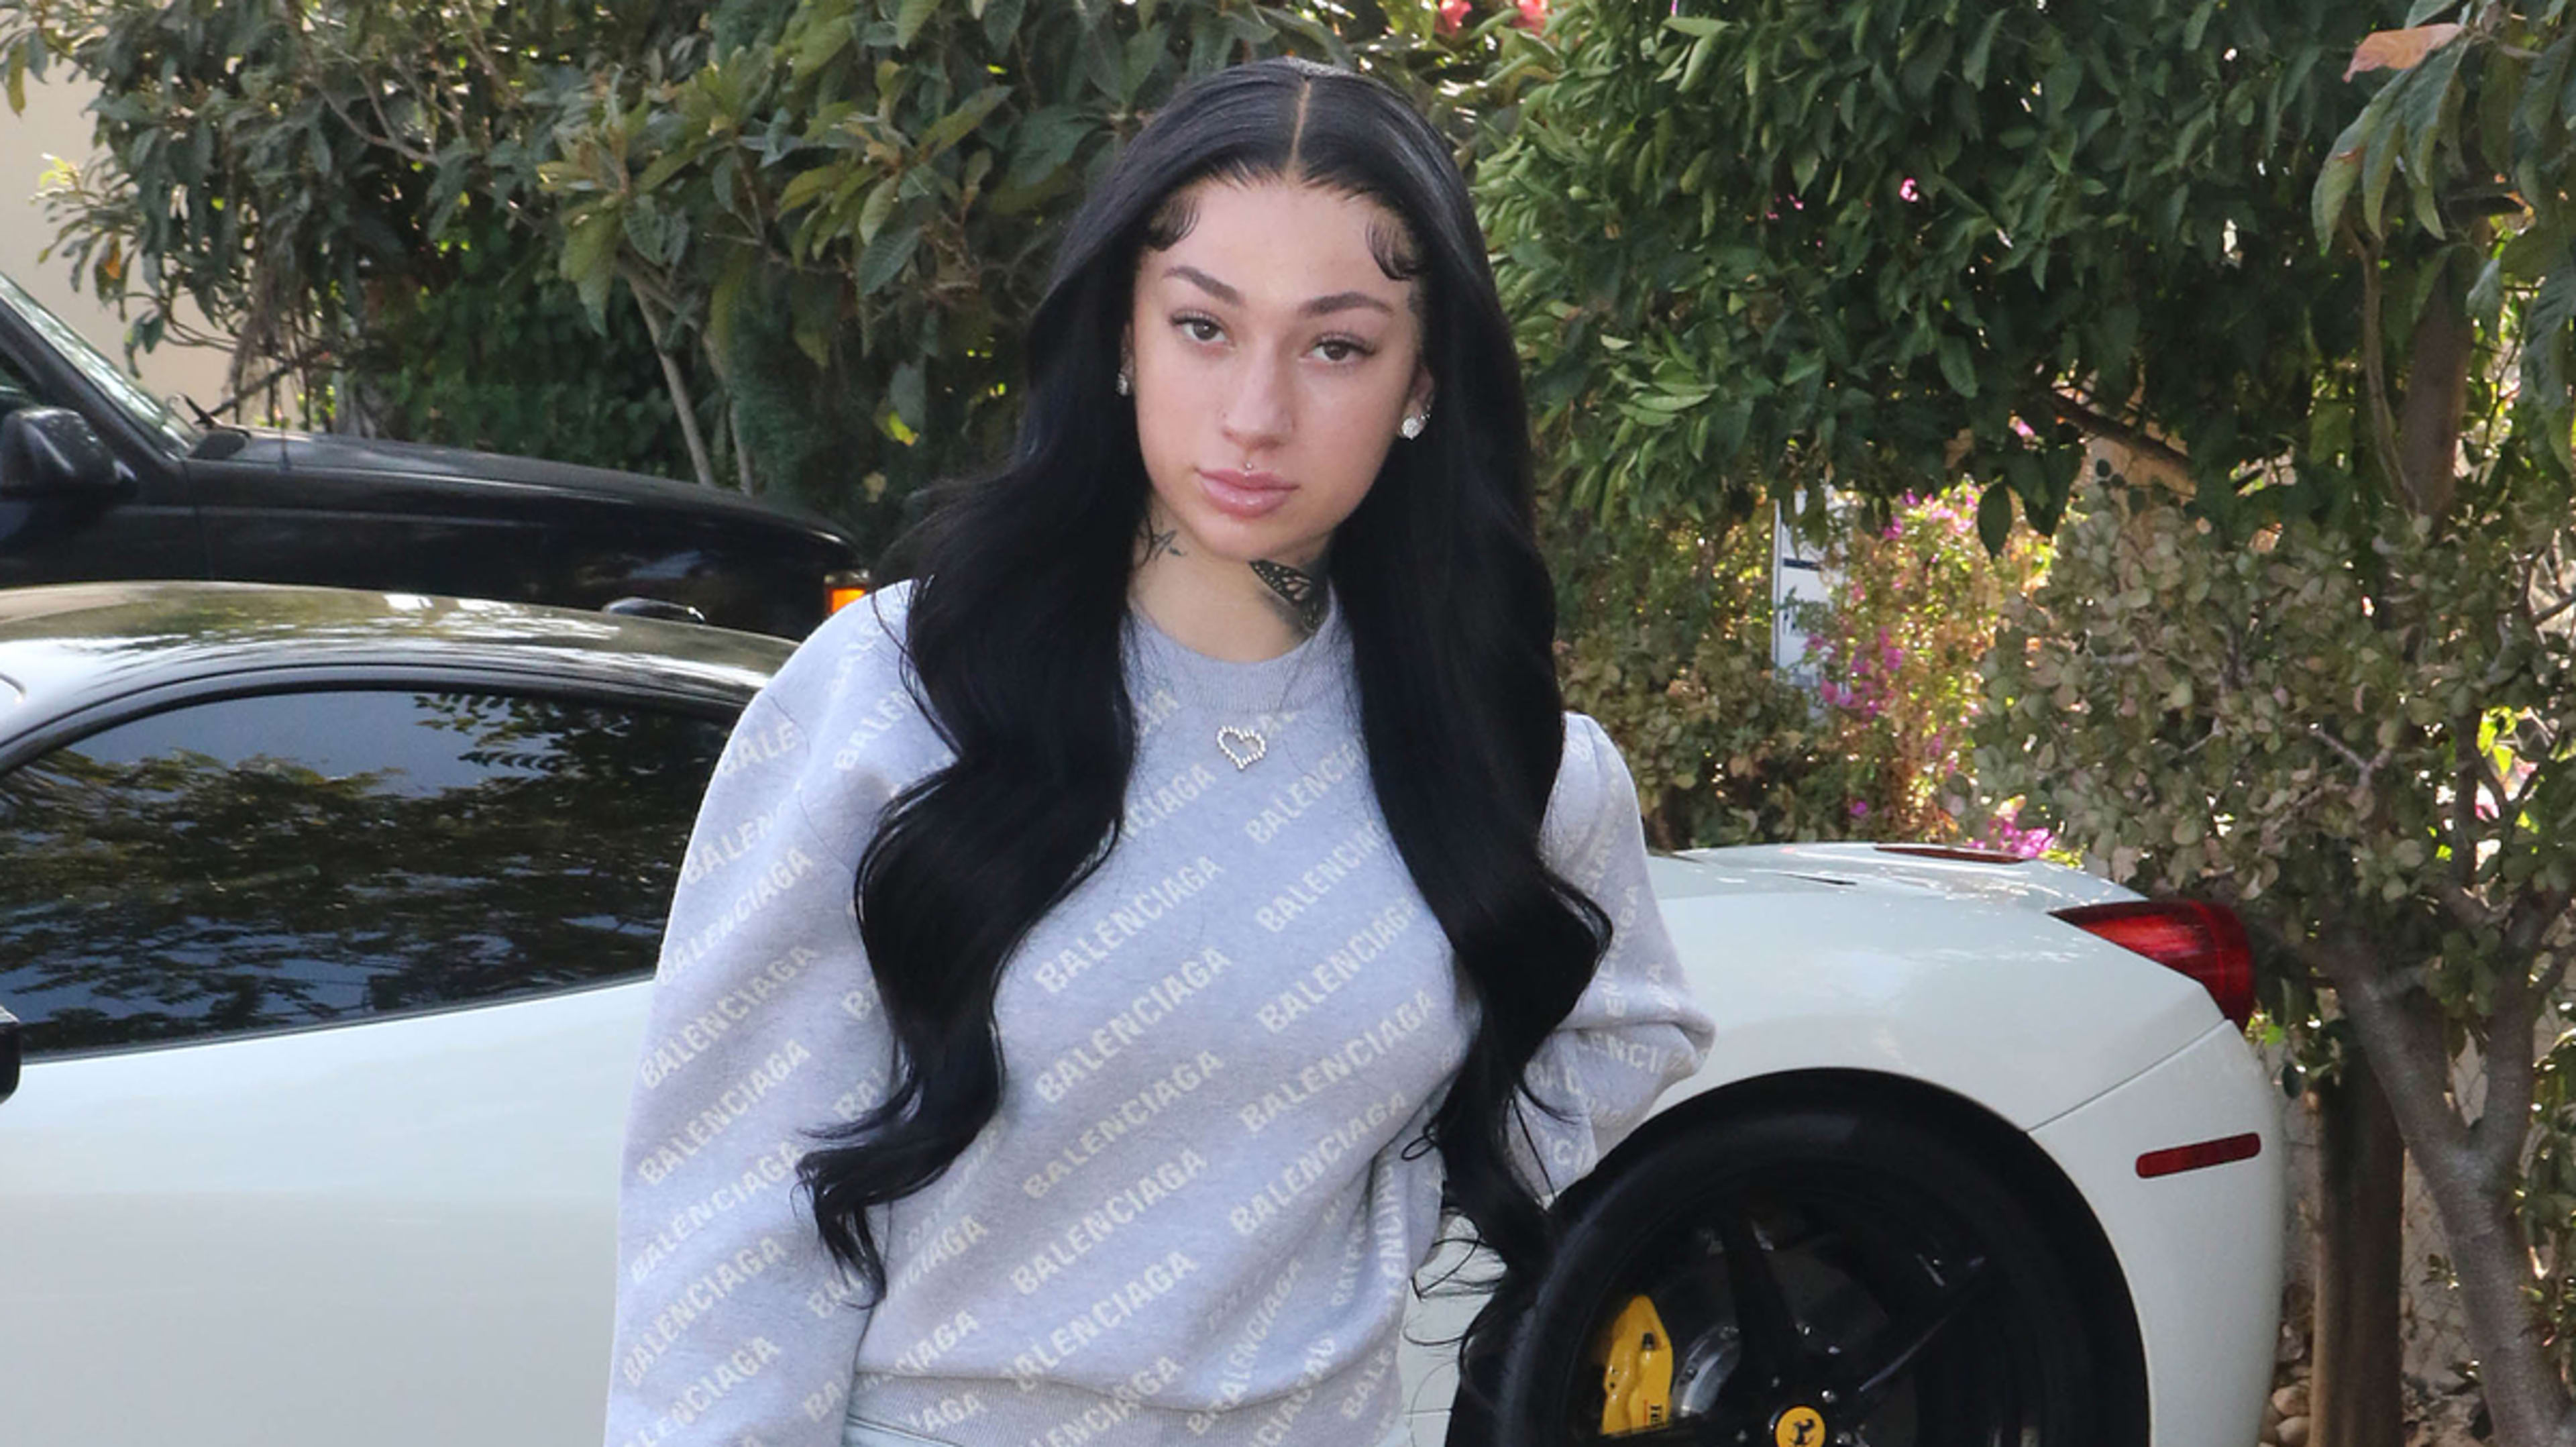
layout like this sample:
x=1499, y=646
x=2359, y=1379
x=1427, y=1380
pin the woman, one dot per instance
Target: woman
x=1170, y=890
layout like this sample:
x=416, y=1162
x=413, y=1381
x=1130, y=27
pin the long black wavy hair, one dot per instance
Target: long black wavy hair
x=1014, y=634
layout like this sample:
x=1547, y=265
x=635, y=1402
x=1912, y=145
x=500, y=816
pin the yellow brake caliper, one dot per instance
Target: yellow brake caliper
x=1636, y=1360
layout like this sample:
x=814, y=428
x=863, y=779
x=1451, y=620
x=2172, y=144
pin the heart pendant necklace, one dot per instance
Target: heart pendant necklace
x=1245, y=741
x=1244, y=746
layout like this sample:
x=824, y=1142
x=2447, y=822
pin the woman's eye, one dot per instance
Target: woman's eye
x=1335, y=349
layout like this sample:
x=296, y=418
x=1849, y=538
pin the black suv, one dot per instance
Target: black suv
x=101, y=480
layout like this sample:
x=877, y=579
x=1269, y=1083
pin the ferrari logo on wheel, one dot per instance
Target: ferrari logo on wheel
x=1799, y=1427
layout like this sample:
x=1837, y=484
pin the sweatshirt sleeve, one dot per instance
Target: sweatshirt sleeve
x=733, y=1323
x=1636, y=1029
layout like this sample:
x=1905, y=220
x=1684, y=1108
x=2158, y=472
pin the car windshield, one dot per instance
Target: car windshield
x=110, y=378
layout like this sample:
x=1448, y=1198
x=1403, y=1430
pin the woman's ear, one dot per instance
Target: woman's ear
x=1419, y=399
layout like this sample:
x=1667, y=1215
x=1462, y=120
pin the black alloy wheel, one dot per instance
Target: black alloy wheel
x=1828, y=1276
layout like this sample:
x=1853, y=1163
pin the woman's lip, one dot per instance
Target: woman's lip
x=1244, y=495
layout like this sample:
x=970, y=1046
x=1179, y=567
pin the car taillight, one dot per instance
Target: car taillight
x=840, y=590
x=2192, y=937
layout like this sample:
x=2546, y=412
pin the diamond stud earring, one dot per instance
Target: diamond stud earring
x=1413, y=425
x=1126, y=382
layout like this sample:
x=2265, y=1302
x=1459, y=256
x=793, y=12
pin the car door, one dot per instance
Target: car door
x=348, y=512
x=331, y=1000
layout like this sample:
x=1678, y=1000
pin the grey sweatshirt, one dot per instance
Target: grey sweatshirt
x=1192, y=1218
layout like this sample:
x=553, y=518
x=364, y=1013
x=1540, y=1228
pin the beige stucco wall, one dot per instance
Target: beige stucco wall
x=56, y=123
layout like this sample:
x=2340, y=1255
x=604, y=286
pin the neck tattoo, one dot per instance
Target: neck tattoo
x=1302, y=592
x=1155, y=542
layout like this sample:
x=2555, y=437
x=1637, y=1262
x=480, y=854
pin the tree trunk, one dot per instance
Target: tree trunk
x=2470, y=1170
x=741, y=454
x=2353, y=1398
x=2492, y=1259
x=2401, y=1029
x=2437, y=390
x=677, y=383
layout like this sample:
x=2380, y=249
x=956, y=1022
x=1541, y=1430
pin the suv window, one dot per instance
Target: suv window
x=311, y=858
x=103, y=374
x=15, y=390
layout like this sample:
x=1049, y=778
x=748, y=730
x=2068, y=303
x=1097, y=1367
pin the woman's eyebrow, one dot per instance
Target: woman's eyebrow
x=1320, y=306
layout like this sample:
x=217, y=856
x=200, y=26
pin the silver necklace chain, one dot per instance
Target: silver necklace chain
x=1244, y=741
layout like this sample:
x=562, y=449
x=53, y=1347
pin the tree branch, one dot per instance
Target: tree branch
x=372, y=138
x=2504, y=1121
x=2084, y=418
x=2465, y=907
x=2374, y=361
x=2437, y=392
x=2528, y=921
x=2464, y=800
x=2551, y=978
x=2367, y=767
x=678, y=383
x=2404, y=1044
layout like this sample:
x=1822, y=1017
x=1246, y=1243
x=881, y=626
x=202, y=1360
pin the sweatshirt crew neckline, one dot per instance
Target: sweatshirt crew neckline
x=1231, y=691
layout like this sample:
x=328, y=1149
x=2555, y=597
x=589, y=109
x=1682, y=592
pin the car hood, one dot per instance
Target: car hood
x=337, y=455
x=1880, y=870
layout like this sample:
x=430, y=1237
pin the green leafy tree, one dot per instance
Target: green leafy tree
x=2355, y=721
x=2302, y=273
x=1899, y=242
x=347, y=193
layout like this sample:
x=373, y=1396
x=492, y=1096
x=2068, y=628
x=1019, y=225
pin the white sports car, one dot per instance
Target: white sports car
x=328, y=920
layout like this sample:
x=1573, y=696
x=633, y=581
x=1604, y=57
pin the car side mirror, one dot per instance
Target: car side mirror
x=53, y=452
x=9, y=1051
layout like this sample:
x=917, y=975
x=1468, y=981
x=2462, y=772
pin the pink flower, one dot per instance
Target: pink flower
x=1907, y=190
x=1533, y=15
x=2029, y=843
x=1453, y=13
x=1860, y=808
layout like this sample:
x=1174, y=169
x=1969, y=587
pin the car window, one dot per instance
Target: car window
x=103, y=374
x=15, y=390
x=312, y=858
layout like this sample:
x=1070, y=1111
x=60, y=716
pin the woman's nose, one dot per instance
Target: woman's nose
x=1259, y=411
